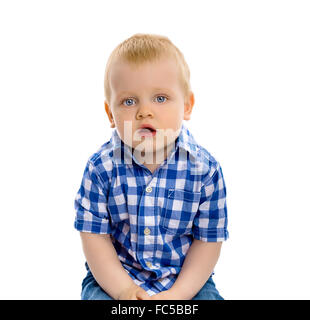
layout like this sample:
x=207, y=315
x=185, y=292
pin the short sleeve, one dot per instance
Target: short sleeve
x=210, y=222
x=91, y=204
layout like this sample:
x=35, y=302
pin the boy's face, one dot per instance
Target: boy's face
x=147, y=95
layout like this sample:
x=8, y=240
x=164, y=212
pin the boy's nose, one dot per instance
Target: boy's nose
x=144, y=112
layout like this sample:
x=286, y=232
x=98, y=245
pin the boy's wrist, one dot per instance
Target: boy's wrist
x=123, y=292
x=179, y=293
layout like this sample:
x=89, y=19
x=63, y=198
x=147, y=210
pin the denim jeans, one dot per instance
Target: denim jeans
x=92, y=291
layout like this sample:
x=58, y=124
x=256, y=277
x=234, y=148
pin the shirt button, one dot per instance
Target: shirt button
x=149, y=264
x=148, y=189
x=147, y=231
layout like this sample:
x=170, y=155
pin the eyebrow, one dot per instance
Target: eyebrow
x=129, y=93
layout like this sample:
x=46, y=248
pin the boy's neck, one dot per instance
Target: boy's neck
x=154, y=160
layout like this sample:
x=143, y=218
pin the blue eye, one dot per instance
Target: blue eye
x=128, y=102
x=161, y=99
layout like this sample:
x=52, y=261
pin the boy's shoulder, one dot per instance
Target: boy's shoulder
x=102, y=154
x=101, y=159
x=207, y=163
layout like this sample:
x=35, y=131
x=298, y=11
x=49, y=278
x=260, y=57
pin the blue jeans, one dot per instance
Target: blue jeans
x=92, y=291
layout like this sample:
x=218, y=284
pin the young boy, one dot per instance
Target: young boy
x=151, y=208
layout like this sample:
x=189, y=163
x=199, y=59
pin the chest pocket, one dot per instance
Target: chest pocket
x=180, y=208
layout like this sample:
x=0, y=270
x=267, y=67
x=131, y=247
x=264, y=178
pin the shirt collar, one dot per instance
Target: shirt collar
x=116, y=140
x=186, y=141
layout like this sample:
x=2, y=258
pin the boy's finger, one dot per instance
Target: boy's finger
x=142, y=295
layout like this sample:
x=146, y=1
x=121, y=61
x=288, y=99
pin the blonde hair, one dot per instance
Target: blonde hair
x=141, y=48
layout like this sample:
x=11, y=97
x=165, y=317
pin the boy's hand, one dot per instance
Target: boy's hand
x=134, y=292
x=165, y=295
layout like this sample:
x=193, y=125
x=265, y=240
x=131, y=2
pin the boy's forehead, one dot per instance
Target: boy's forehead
x=161, y=74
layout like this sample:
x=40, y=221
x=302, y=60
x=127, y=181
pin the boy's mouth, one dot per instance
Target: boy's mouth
x=146, y=130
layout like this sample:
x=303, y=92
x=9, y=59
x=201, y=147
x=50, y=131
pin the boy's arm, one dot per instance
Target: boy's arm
x=107, y=268
x=198, y=265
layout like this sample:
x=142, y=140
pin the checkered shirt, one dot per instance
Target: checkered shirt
x=153, y=218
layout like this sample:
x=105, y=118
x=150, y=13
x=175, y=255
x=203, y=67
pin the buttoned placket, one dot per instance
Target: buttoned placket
x=148, y=199
x=146, y=221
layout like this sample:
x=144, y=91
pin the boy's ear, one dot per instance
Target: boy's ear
x=109, y=113
x=188, y=106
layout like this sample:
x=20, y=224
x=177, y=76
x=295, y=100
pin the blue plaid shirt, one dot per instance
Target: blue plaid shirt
x=153, y=218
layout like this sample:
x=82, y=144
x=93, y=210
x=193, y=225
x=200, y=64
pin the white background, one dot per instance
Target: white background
x=250, y=72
